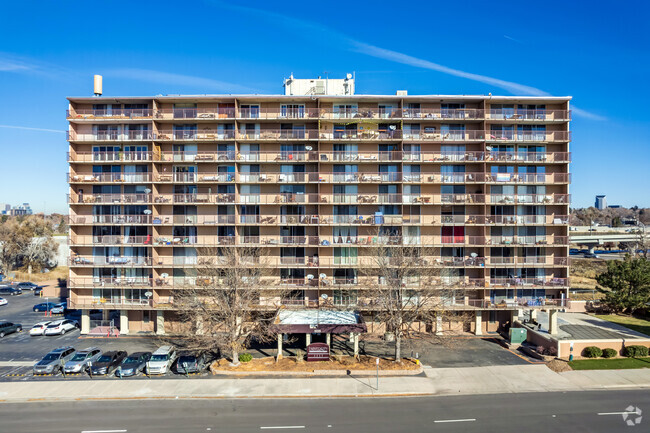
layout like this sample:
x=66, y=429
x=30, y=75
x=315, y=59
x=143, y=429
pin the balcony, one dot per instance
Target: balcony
x=369, y=134
x=528, y=157
x=194, y=135
x=109, y=282
x=530, y=260
x=117, y=303
x=529, y=115
x=109, y=219
x=529, y=198
x=428, y=135
x=113, y=261
x=110, y=178
x=406, y=113
x=278, y=135
x=281, y=198
x=112, y=114
x=527, y=240
x=109, y=198
x=192, y=177
x=529, y=136
x=447, y=156
x=527, y=282
x=195, y=113
x=196, y=198
x=529, y=178
x=109, y=240
x=298, y=112
x=119, y=156
x=111, y=136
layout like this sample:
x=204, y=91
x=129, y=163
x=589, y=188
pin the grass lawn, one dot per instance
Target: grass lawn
x=634, y=323
x=610, y=364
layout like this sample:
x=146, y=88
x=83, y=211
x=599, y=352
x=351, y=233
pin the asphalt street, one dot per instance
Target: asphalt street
x=594, y=412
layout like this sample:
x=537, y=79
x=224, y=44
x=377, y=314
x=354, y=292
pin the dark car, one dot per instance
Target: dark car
x=133, y=364
x=9, y=327
x=44, y=306
x=107, y=362
x=11, y=291
x=38, y=292
x=190, y=363
x=28, y=286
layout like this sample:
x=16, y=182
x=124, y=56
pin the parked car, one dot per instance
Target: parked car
x=82, y=359
x=38, y=292
x=54, y=361
x=133, y=364
x=39, y=328
x=28, y=286
x=44, y=306
x=11, y=291
x=161, y=360
x=9, y=327
x=3, y=301
x=60, y=327
x=108, y=362
x=590, y=256
x=59, y=308
x=191, y=363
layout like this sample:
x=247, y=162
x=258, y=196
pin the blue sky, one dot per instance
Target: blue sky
x=595, y=51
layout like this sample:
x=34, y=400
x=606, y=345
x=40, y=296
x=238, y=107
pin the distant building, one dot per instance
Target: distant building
x=5, y=209
x=614, y=206
x=23, y=209
x=601, y=202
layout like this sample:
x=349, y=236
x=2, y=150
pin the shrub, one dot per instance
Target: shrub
x=592, y=352
x=300, y=355
x=245, y=357
x=551, y=351
x=609, y=353
x=635, y=351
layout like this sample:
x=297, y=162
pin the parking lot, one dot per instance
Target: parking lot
x=20, y=351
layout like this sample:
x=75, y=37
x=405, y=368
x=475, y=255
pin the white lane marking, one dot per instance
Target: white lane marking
x=616, y=413
x=455, y=420
x=282, y=427
x=103, y=431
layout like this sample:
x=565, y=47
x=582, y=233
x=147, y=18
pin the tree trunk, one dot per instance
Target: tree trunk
x=398, y=346
x=234, y=341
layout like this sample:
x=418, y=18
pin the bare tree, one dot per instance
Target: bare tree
x=233, y=299
x=14, y=240
x=406, y=287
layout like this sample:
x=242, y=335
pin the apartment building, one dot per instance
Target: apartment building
x=317, y=175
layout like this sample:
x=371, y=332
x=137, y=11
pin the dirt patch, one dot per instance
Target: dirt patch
x=559, y=366
x=289, y=364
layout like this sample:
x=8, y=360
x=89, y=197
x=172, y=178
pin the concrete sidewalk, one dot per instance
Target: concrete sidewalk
x=445, y=381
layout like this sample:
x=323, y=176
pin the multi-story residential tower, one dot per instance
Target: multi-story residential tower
x=316, y=176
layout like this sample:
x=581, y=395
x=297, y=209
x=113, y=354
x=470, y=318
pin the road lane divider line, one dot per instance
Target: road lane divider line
x=455, y=420
x=282, y=427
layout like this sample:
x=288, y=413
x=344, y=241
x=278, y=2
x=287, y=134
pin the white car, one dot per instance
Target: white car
x=59, y=308
x=3, y=301
x=60, y=327
x=38, y=328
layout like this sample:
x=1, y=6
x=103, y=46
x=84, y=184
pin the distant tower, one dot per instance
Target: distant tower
x=601, y=202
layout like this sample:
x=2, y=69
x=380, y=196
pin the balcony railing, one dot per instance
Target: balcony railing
x=527, y=136
x=541, y=115
x=109, y=219
x=522, y=282
x=529, y=178
x=528, y=157
x=278, y=134
x=197, y=156
x=80, y=282
x=118, y=261
x=529, y=198
x=369, y=134
x=110, y=240
x=112, y=136
x=278, y=113
x=440, y=136
x=135, y=156
x=109, y=198
x=527, y=240
x=530, y=260
x=110, y=177
x=194, y=135
x=114, y=113
x=195, y=113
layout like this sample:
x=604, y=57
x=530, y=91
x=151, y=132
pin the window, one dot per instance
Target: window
x=452, y=111
x=184, y=111
x=292, y=111
x=250, y=111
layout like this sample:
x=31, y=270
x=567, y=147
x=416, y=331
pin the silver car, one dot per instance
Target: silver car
x=81, y=360
x=54, y=361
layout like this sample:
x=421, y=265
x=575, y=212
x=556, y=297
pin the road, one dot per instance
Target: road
x=533, y=413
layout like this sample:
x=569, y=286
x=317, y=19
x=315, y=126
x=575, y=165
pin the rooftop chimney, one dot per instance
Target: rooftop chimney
x=98, y=85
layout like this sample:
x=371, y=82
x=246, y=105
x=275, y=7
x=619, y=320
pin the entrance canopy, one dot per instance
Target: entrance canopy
x=318, y=321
